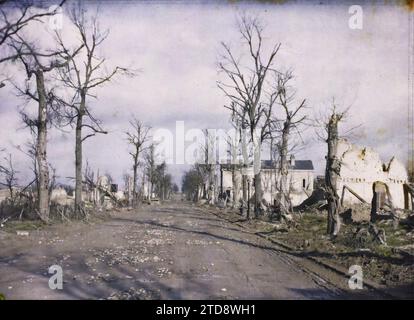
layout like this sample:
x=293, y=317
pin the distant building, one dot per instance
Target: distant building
x=300, y=179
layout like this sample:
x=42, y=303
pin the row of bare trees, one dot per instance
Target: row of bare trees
x=262, y=101
x=154, y=178
x=192, y=183
x=138, y=138
x=60, y=78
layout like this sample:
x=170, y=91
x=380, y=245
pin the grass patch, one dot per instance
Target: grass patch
x=13, y=226
x=384, y=251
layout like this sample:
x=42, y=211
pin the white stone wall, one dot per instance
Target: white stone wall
x=295, y=177
x=60, y=196
x=227, y=181
x=361, y=167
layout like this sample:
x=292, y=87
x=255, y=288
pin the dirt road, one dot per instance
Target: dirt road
x=170, y=251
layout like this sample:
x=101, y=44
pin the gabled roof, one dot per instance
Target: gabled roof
x=299, y=165
x=269, y=164
x=303, y=165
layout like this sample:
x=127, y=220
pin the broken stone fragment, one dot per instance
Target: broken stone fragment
x=22, y=233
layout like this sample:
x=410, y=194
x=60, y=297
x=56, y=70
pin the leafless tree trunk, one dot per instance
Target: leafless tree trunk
x=52, y=180
x=82, y=77
x=38, y=64
x=89, y=177
x=209, y=166
x=39, y=127
x=246, y=87
x=330, y=135
x=162, y=181
x=291, y=120
x=31, y=153
x=9, y=174
x=245, y=155
x=333, y=167
x=137, y=137
x=133, y=201
x=150, y=168
x=41, y=156
x=284, y=168
x=78, y=162
x=238, y=147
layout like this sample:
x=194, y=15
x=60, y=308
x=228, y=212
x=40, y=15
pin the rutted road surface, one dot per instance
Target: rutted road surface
x=170, y=251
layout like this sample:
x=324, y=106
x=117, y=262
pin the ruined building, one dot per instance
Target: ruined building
x=365, y=178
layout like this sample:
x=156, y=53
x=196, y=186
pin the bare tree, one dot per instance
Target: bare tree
x=127, y=179
x=284, y=127
x=52, y=180
x=332, y=172
x=159, y=181
x=9, y=175
x=175, y=188
x=208, y=167
x=246, y=88
x=162, y=181
x=82, y=77
x=29, y=149
x=191, y=183
x=239, y=146
x=233, y=142
x=330, y=135
x=89, y=177
x=12, y=24
x=37, y=64
x=167, y=186
x=150, y=167
x=137, y=137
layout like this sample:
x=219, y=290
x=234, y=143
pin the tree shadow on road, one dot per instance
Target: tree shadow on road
x=80, y=282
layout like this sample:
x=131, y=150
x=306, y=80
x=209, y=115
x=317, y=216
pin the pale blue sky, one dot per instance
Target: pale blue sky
x=176, y=46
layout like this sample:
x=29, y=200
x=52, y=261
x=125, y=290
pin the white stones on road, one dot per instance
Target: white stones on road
x=197, y=242
x=134, y=294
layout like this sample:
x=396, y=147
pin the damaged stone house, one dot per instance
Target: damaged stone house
x=365, y=178
x=300, y=177
x=100, y=194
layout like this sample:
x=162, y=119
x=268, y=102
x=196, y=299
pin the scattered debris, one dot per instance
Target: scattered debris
x=134, y=294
